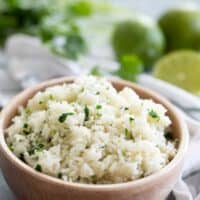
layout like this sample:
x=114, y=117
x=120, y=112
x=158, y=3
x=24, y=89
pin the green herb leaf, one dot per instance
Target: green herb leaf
x=154, y=114
x=130, y=67
x=131, y=119
x=36, y=148
x=98, y=107
x=60, y=175
x=25, y=125
x=63, y=36
x=31, y=151
x=38, y=168
x=87, y=113
x=64, y=116
x=73, y=46
x=26, y=132
x=95, y=71
x=51, y=97
x=21, y=157
x=28, y=111
x=41, y=102
x=26, y=129
x=127, y=134
x=40, y=147
x=94, y=179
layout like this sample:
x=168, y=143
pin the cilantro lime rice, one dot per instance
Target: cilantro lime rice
x=88, y=132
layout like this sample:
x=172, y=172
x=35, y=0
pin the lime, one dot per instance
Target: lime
x=181, y=68
x=181, y=28
x=140, y=36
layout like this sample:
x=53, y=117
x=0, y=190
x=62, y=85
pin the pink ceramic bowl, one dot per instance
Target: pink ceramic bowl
x=28, y=184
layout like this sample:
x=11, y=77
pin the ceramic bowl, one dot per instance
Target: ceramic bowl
x=28, y=184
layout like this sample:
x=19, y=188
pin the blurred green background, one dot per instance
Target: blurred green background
x=161, y=38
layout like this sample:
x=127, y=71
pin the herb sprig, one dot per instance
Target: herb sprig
x=87, y=113
x=64, y=116
x=153, y=114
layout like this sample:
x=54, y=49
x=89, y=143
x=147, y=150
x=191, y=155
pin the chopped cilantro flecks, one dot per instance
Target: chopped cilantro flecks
x=94, y=178
x=25, y=125
x=26, y=132
x=98, y=114
x=131, y=119
x=40, y=147
x=95, y=71
x=168, y=136
x=154, y=114
x=36, y=148
x=31, y=151
x=60, y=175
x=51, y=97
x=28, y=111
x=98, y=107
x=127, y=134
x=87, y=113
x=64, y=116
x=97, y=93
x=41, y=102
x=21, y=157
x=126, y=108
x=38, y=168
x=26, y=129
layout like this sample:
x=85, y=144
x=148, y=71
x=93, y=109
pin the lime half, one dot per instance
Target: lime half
x=181, y=68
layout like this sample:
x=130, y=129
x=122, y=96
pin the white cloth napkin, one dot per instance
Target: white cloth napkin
x=30, y=62
x=187, y=190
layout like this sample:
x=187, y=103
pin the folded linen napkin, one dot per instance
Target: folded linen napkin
x=31, y=65
x=188, y=186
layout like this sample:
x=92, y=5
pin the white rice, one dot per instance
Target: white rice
x=88, y=132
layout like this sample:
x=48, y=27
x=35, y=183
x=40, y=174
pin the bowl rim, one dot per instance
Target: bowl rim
x=148, y=180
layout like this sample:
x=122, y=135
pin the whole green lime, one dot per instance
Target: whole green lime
x=181, y=28
x=140, y=36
